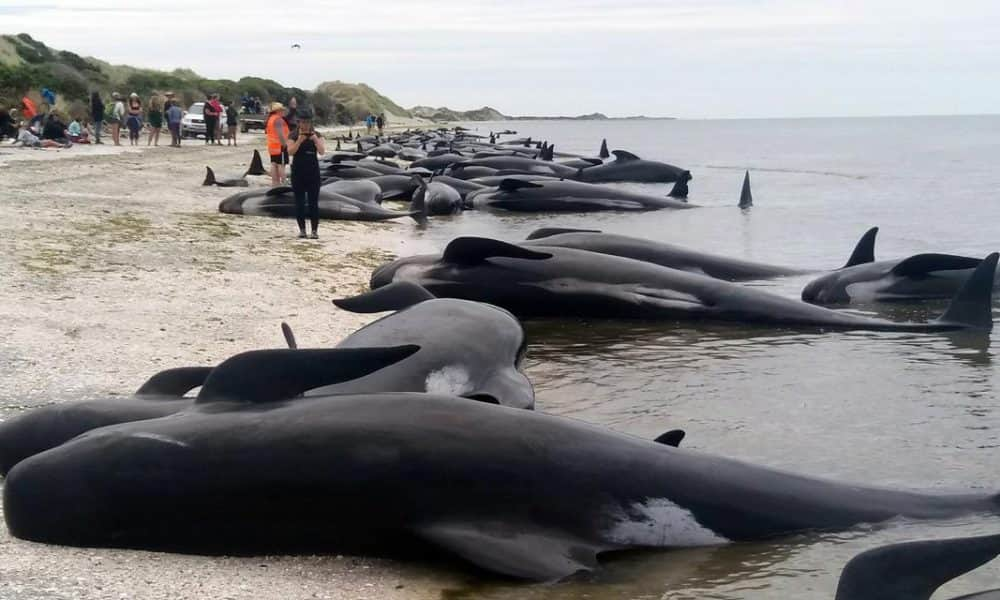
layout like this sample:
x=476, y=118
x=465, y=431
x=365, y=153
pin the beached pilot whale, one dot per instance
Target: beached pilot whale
x=918, y=277
x=48, y=426
x=915, y=570
x=256, y=168
x=467, y=349
x=667, y=255
x=362, y=190
x=629, y=167
x=162, y=395
x=516, y=492
x=280, y=202
x=438, y=198
x=541, y=281
x=523, y=194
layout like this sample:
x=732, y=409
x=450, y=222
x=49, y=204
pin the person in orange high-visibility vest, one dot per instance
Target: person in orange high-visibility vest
x=277, y=142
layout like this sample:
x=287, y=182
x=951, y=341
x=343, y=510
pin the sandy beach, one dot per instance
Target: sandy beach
x=115, y=264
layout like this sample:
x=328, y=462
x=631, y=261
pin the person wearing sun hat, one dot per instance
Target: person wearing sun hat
x=277, y=142
x=134, y=120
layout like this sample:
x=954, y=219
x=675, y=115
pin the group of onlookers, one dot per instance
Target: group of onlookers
x=373, y=121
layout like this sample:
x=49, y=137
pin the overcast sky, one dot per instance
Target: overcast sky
x=685, y=58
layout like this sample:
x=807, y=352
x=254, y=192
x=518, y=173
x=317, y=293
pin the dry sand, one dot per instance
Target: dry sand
x=114, y=264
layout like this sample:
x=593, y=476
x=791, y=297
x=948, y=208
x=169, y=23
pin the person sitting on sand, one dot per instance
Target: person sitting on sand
x=77, y=134
x=7, y=129
x=174, y=116
x=306, y=147
x=55, y=130
x=277, y=142
x=29, y=140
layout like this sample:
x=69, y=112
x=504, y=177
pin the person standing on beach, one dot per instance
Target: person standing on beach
x=116, y=117
x=155, y=121
x=292, y=115
x=380, y=122
x=277, y=142
x=174, y=116
x=97, y=114
x=134, y=120
x=306, y=147
x=369, y=122
x=211, y=119
x=232, y=120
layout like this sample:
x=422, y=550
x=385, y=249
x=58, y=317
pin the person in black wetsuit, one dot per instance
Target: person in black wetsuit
x=305, y=148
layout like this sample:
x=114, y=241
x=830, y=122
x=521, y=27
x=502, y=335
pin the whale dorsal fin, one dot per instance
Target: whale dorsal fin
x=622, y=155
x=671, y=438
x=512, y=185
x=604, y=149
x=209, y=176
x=545, y=232
x=395, y=296
x=524, y=552
x=174, y=382
x=746, y=198
x=914, y=570
x=864, y=251
x=920, y=265
x=273, y=375
x=257, y=165
x=474, y=250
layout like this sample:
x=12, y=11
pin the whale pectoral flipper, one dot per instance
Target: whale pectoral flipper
x=545, y=232
x=671, y=438
x=535, y=555
x=914, y=569
x=174, y=382
x=474, y=250
x=286, y=331
x=920, y=265
x=864, y=251
x=395, y=296
x=273, y=375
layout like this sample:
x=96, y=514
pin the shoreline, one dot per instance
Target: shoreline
x=117, y=265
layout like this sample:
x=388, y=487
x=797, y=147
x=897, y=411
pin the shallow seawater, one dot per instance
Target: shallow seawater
x=898, y=409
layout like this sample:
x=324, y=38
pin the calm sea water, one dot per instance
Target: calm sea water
x=881, y=408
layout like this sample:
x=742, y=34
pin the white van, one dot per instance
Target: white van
x=193, y=122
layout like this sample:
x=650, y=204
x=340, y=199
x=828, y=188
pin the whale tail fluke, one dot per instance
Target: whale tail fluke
x=256, y=165
x=395, y=296
x=604, y=150
x=972, y=306
x=680, y=189
x=913, y=569
x=864, y=251
x=746, y=198
x=418, y=203
x=209, y=176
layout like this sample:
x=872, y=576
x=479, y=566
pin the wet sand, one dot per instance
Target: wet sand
x=115, y=263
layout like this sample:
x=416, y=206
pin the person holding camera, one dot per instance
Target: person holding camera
x=305, y=148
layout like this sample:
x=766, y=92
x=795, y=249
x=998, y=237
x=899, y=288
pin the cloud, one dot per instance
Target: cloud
x=684, y=57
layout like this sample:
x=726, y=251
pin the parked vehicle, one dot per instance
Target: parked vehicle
x=193, y=122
